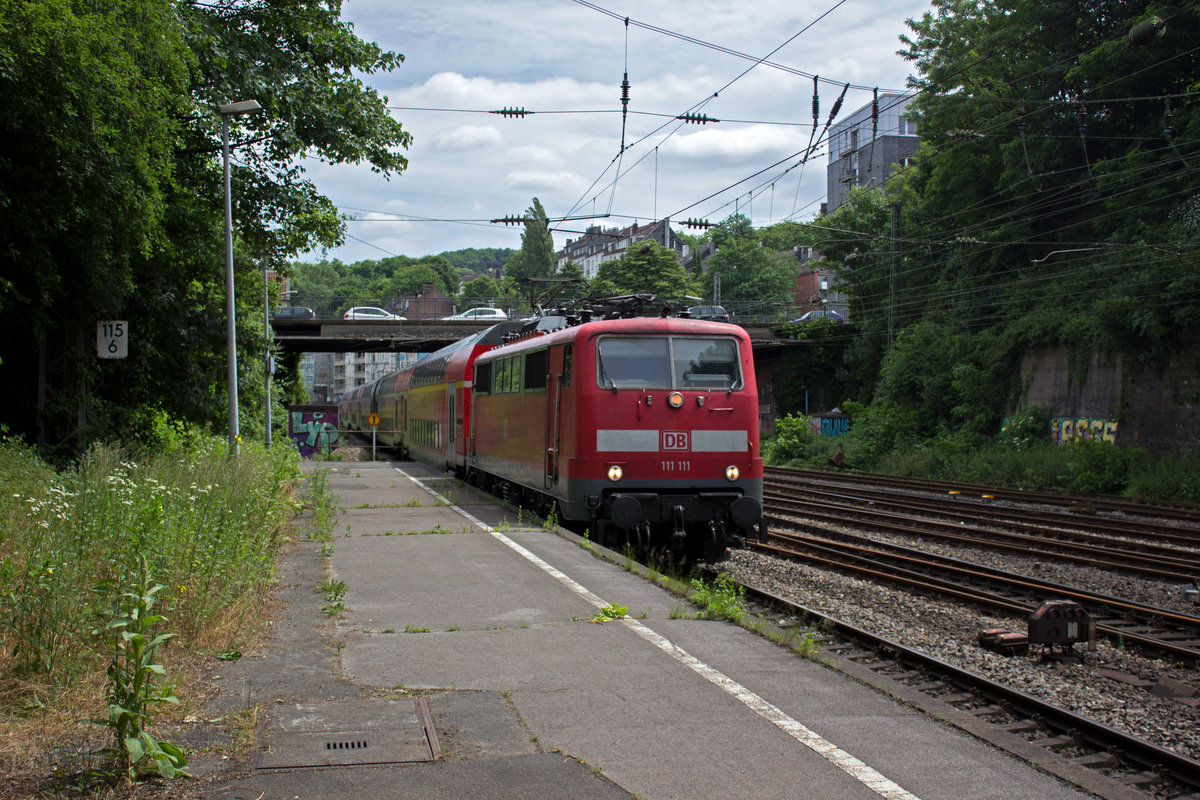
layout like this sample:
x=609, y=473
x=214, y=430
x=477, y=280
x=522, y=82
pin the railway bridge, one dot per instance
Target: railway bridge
x=427, y=335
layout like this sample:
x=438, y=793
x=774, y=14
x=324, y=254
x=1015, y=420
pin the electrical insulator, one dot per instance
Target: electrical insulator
x=698, y=119
x=625, y=90
x=1168, y=132
x=1021, y=118
x=816, y=103
x=510, y=220
x=511, y=112
x=837, y=106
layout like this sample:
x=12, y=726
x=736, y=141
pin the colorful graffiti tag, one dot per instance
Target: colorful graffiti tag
x=831, y=425
x=313, y=428
x=1082, y=429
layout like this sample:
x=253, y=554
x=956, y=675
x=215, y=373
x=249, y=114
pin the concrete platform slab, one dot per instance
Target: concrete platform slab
x=663, y=706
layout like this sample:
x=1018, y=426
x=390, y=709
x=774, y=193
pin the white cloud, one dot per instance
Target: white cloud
x=564, y=62
x=466, y=137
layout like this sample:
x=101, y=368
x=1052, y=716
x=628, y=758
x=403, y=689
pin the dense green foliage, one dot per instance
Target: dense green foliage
x=206, y=526
x=644, y=268
x=111, y=191
x=1054, y=202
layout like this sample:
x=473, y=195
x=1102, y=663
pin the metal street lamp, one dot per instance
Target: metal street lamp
x=227, y=111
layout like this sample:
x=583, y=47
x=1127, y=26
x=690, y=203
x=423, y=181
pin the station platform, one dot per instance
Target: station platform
x=466, y=663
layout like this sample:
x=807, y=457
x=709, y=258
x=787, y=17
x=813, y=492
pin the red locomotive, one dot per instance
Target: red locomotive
x=643, y=429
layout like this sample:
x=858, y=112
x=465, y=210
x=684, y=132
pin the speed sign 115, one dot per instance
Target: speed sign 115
x=112, y=338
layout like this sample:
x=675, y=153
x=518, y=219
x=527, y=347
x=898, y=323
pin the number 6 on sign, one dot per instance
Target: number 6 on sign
x=112, y=339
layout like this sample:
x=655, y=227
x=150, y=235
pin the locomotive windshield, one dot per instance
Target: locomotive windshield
x=672, y=362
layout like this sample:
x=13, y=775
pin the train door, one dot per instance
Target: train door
x=451, y=448
x=559, y=378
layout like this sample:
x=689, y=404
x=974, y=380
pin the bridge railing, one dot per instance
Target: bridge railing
x=332, y=307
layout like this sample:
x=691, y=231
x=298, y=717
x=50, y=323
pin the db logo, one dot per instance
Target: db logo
x=675, y=440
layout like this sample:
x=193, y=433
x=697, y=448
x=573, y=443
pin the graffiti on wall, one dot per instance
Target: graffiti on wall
x=830, y=425
x=313, y=428
x=1082, y=429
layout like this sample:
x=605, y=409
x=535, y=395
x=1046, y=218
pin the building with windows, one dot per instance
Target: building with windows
x=598, y=245
x=865, y=148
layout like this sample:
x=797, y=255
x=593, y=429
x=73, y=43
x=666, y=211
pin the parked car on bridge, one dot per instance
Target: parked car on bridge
x=717, y=313
x=370, y=313
x=821, y=313
x=481, y=315
x=294, y=312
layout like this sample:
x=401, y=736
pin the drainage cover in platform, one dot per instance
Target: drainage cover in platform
x=349, y=734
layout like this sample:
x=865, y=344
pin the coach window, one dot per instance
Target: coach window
x=566, y=368
x=536, y=364
x=483, y=379
x=633, y=362
x=514, y=382
x=500, y=381
x=705, y=363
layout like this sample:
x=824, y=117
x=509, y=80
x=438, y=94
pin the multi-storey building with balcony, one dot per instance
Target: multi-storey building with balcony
x=864, y=150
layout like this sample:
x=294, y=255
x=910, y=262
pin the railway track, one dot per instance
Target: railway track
x=1110, y=763
x=1091, y=504
x=1159, y=630
x=1166, y=551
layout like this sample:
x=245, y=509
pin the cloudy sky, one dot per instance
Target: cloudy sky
x=564, y=60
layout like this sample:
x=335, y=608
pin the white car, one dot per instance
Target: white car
x=481, y=315
x=370, y=313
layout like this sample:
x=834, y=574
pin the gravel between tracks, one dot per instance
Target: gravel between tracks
x=948, y=630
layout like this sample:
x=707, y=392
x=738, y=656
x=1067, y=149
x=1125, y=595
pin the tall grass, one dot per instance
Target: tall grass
x=208, y=526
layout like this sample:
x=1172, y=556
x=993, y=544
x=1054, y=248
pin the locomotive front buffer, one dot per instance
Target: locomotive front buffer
x=1057, y=626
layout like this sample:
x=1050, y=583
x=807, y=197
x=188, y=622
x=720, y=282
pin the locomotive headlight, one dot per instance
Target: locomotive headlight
x=615, y=473
x=732, y=472
x=675, y=399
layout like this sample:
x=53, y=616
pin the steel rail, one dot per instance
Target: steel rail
x=1184, y=571
x=1055, y=523
x=905, y=569
x=1178, y=511
x=1111, y=745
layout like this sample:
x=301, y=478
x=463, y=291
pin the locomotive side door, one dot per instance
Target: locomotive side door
x=557, y=381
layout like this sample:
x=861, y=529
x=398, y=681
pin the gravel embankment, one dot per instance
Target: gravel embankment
x=948, y=630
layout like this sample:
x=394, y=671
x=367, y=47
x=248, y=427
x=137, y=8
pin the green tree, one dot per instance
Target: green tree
x=535, y=259
x=483, y=288
x=110, y=182
x=645, y=268
x=749, y=272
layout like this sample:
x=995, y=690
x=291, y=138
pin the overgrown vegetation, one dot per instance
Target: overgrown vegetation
x=98, y=559
x=884, y=439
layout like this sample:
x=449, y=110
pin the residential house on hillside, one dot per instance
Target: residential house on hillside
x=598, y=245
x=430, y=303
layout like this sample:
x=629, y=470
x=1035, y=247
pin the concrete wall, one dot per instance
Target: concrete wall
x=1156, y=407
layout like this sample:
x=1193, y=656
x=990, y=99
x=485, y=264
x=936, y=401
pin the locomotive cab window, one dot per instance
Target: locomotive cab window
x=673, y=362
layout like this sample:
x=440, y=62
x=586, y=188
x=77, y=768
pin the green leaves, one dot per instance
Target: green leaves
x=132, y=672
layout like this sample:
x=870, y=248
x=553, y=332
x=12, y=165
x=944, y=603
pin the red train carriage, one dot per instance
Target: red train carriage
x=644, y=429
x=422, y=409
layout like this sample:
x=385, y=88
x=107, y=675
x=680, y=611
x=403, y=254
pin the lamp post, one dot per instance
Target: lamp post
x=270, y=360
x=227, y=111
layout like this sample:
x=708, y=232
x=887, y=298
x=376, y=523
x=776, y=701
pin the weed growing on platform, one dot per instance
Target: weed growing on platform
x=610, y=612
x=721, y=599
x=808, y=645
x=415, y=629
x=414, y=503
x=334, y=591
